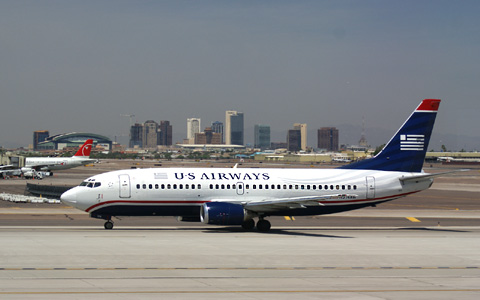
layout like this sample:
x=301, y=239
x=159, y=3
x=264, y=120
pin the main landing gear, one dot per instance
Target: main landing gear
x=262, y=225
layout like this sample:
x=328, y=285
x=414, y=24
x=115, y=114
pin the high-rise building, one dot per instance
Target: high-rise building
x=328, y=138
x=150, y=134
x=262, y=136
x=39, y=136
x=193, y=127
x=303, y=134
x=294, y=140
x=136, y=135
x=233, y=128
x=217, y=127
x=208, y=137
x=165, y=137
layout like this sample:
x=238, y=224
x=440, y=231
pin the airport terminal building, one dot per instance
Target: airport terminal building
x=74, y=139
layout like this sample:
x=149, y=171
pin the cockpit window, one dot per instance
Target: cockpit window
x=83, y=183
x=97, y=184
x=90, y=184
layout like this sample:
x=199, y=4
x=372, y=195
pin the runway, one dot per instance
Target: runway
x=425, y=246
x=214, y=263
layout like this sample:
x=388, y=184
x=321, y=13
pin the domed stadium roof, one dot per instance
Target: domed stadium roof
x=73, y=139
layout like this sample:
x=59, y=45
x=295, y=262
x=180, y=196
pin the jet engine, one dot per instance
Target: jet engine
x=222, y=213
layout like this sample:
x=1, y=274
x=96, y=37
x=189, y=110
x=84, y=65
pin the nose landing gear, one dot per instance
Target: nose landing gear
x=108, y=224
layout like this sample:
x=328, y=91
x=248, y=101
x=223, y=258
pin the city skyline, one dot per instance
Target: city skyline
x=84, y=65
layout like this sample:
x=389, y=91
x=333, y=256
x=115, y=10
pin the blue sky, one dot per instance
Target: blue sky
x=78, y=65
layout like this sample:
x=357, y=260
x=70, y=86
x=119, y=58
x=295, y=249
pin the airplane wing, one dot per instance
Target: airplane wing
x=7, y=167
x=275, y=204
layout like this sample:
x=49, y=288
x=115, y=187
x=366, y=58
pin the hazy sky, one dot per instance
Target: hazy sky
x=78, y=65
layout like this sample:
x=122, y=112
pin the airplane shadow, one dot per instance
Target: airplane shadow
x=432, y=229
x=274, y=231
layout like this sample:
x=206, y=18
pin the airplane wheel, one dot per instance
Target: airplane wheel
x=108, y=225
x=263, y=225
x=248, y=225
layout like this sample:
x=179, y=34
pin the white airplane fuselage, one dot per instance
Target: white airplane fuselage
x=181, y=192
x=57, y=163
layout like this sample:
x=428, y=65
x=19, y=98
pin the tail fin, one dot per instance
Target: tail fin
x=84, y=151
x=406, y=150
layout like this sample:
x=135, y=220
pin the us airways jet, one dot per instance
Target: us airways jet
x=235, y=196
x=81, y=158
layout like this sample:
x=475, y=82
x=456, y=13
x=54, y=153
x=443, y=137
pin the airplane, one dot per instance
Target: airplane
x=461, y=160
x=33, y=165
x=236, y=196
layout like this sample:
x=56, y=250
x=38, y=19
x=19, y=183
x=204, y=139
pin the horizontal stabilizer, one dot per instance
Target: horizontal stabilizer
x=429, y=175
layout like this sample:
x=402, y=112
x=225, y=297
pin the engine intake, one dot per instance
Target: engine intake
x=222, y=213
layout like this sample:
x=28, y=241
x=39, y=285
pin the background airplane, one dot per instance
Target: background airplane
x=237, y=196
x=33, y=165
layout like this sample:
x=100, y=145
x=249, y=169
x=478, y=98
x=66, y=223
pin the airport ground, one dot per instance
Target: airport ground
x=425, y=246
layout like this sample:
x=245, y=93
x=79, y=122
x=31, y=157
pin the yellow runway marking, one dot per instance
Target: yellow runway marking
x=289, y=218
x=412, y=219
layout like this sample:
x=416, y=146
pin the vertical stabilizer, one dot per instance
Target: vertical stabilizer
x=84, y=151
x=405, y=152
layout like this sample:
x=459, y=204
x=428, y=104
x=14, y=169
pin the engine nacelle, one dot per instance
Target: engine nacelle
x=222, y=213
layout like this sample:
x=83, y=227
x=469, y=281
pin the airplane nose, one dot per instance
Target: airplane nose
x=69, y=197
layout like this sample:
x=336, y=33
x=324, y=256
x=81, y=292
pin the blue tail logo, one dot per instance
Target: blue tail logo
x=405, y=152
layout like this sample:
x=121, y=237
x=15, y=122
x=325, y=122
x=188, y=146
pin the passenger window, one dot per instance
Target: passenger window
x=211, y=186
x=199, y=186
x=331, y=187
x=296, y=186
x=169, y=186
x=138, y=186
x=247, y=186
x=259, y=186
x=144, y=186
x=343, y=187
x=254, y=186
x=326, y=187
x=163, y=186
x=223, y=186
x=284, y=186
x=180, y=186
x=338, y=187
x=150, y=186
x=354, y=187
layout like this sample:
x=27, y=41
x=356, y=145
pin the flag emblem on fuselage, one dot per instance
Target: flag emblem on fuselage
x=412, y=142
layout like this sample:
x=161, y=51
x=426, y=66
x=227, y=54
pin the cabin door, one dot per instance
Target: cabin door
x=124, y=180
x=370, y=187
